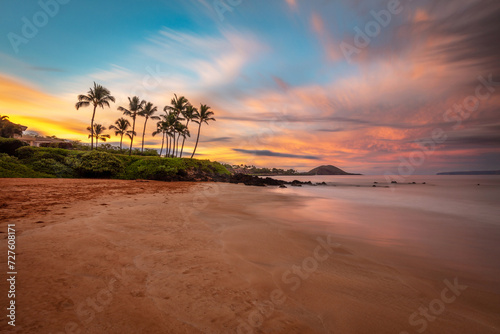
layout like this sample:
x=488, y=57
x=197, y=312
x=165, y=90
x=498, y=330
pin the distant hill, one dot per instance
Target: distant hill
x=480, y=172
x=327, y=170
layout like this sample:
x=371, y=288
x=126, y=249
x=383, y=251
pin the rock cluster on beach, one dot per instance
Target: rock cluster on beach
x=250, y=180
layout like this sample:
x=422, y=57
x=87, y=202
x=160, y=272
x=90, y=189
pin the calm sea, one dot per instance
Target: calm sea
x=450, y=221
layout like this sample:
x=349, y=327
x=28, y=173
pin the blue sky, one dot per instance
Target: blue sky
x=273, y=71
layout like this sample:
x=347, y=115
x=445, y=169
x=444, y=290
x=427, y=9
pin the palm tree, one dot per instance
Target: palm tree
x=203, y=116
x=98, y=96
x=189, y=114
x=148, y=111
x=135, y=106
x=120, y=127
x=178, y=107
x=97, y=133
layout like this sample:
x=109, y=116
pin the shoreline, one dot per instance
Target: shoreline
x=127, y=257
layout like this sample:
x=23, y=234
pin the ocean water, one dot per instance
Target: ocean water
x=451, y=223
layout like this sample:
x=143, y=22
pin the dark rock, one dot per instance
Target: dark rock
x=282, y=186
x=250, y=180
x=394, y=181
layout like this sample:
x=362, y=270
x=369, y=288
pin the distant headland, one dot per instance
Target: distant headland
x=327, y=170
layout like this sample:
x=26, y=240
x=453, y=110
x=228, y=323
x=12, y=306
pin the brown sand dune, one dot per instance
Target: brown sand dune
x=131, y=257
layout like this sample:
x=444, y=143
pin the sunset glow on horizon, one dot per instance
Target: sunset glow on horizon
x=365, y=86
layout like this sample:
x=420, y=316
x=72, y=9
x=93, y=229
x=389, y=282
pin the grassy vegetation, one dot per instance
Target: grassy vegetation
x=27, y=161
x=12, y=167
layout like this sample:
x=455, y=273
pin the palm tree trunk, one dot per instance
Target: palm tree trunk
x=197, y=138
x=168, y=144
x=184, y=138
x=132, y=139
x=162, y=142
x=92, y=129
x=96, y=142
x=143, y=133
x=177, y=144
x=121, y=141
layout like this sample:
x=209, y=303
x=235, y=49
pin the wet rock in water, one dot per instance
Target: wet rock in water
x=423, y=183
x=375, y=182
x=394, y=182
x=282, y=186
x=414, y=183
x=374, y=186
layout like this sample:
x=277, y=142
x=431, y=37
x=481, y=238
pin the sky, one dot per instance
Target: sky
x=374, y=87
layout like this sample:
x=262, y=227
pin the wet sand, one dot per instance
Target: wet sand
x=112, y=256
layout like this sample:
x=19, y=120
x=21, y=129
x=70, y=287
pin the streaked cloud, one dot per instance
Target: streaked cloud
x=267, y=153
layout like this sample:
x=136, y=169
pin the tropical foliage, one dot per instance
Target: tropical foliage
x=172, y=125
x=121, y=127
x=98, y=96
x=9, y=129
x=31, y=161
x=98, y=134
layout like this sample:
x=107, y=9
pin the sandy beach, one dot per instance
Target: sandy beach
x=110, y=256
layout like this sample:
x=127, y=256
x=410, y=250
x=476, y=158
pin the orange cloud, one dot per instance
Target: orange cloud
x=39, y=111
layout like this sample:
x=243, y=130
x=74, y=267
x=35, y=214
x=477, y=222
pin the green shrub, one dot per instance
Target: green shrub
x=63, y=145
x=35, y=153
x=53, y=167
x=151, y=169
x=12, y=167
x=25, y=152
x=97, y=164
x=10, y=145
x=168, y=169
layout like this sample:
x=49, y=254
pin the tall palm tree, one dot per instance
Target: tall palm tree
x=203, y=115
x=177, y=107
x=189, y=114
x=98, y=96
x=135, y=106
x=97, y=132
x=121, y=126
x=148, y=111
